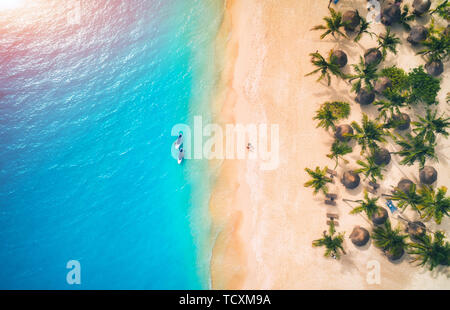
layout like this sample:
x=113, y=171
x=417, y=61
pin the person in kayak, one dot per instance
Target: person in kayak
x=180, y=155
x=179, y=140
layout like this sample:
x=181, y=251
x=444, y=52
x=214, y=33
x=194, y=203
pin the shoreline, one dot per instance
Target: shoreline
x=202, y=173
x=263, y=222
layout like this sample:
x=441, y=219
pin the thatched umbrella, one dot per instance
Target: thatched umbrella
x=341, y=130
x=428, y=175
x=390, y=14
x=350, y=179
x=372, y=56
x=417, y=34
x=340, y=57
x=404, y=185
x=435, y=68
x=382, y=84
x=350, y=20
x=381, y=156
x=421, y=6
x=395, y=256
x=365, y=96
x=403, y=120
x=380, y=216
x=416, y=229
x=359, y=236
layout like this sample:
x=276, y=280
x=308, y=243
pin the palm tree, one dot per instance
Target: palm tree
x=338, y=150
x=333, y=25
x=431, y=250
x=369, y=133
x=415, y=149
x=388, y=42
x=330, y=112
x=325, y=67
x=365, y=74
x=369, y=169
x=387, y=109
x=391, y=241
x=363, y=28
x=437, y=48
x=406, y=199
x=429, y=126
x=443, y=10
x=319, y=180
x=333, y=244
x=434, y=204
x=406, y=17
x=368, y=206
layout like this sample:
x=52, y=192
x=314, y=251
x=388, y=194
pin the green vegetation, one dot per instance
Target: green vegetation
x=388, y=42
x=415, y=149
x=387, y=110
x=330, y=112
x=423, y=87
x=391, y=241
x=326, y=68
x=406, y=17
x=417, y=86
x=430, y=126
x=369, y=169
x=362, y=29
x=398, y=77
x=430, y=250
x=333, y=25
x=331, y=242
x=407, y=199
x=436, y=47
x=319, y=180
x=364, y=75
x=405, y=90
x=338, y=150
x=442, y=10
x=369, y=133
x=368, y=206
x=434, y=203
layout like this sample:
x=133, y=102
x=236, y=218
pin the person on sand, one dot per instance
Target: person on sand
x=250, y=147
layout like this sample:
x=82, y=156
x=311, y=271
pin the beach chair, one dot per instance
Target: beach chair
x=336, y=223
x=332, y=173
x=371, y=190
x=330, y=202
x=391, y=206
x=333, y=216
x=374, y=185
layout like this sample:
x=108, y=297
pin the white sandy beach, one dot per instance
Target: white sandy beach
x=265, y=221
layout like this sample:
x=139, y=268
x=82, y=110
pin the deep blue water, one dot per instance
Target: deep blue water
x=86, y=111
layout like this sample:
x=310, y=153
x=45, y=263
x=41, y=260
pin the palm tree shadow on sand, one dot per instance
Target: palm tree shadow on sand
x=441, y=153
x=438, y=271
x=335, y=94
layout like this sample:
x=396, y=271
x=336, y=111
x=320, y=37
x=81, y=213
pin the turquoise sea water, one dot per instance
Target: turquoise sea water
x=86, y=111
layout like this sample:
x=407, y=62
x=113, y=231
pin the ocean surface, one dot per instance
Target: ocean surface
x=88, y=97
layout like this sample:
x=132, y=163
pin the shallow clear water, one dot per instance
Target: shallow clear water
x=86, y=111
